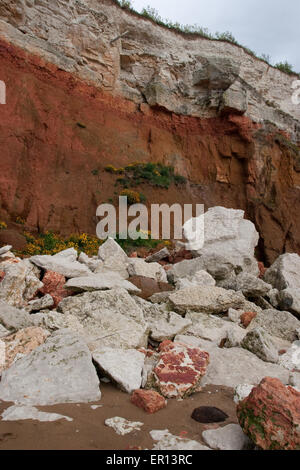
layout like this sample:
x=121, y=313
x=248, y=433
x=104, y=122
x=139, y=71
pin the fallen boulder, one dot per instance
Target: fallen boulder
x=270, y=416
x=22, y=343
x=58, y=371
x=281, y=324
x=260, y=343
x=231, y=367
x=139, y=267
x=225, y=233
x=100, y=281
x=109, y=318
x=122, y=367
x=208, y=299
x=284, y=272
x=179, y=370
x=61, y=264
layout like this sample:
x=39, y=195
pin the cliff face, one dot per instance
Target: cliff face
x=78, y=100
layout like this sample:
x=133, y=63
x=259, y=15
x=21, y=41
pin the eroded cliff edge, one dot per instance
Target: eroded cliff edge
x=78, y=100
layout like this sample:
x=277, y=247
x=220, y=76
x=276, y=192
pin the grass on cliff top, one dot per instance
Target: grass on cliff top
x=227, y=36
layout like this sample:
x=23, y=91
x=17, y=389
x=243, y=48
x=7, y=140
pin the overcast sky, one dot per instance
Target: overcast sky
x=271, y=27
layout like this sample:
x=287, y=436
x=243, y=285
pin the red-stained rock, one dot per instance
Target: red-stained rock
x=147, y=352
x=54, y=285
x=23, y=342
x=262, y=269
x=2, y=275
x=179, y=256
x=247, y=318
x=149, y=400
x=149, y=286
x=270, y=416
x=179, y=369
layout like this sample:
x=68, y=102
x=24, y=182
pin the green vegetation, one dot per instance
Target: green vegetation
x=49, y=243
x=285, y=67
x=155, y=174
x=145, y=241
x=152, y=14
x=133, y=197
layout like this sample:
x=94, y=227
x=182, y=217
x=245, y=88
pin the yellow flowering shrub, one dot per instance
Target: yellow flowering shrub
x=50, y=244
x=133, y=197
x=2, y=225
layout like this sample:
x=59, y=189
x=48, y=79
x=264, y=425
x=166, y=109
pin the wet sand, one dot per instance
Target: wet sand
x=87, y=431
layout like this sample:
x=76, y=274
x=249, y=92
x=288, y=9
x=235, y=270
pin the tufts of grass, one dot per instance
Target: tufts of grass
x=155, y=174
x=227, y=36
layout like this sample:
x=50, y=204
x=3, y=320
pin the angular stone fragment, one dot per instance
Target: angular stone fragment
x=201, y=278
x=217, y=266
x=179, y=370
x=100, y=281
x=231, y=367
x=230, y=437
x=148, y=400
x=54, y=285
x=22, y=412
x=251, y=286
x=167, y=441
x=139, y=267
x=291, y=359
x=22, y=343
x=13, y=285
x=61, y=264
x=168, y=328
x=206, y=299
x=122, y=426
x=284, y=272
x=91, y=263
x=247, y=317
x=123, y=367
x=281, y=324
x=210, y=327
x=270, y=416
x=289, y=299
x=40, y=304
x=58, y=371
x=158, y=256
x=113, y=258
x=227, y=234
x=241, y=392
x=5, y=249
x=109, y=318
x=260, y=343
x=13, y=318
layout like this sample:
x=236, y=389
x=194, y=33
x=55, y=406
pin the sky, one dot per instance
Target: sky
x=270, y=27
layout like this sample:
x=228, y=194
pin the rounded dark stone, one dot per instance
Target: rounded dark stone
x=209, y=414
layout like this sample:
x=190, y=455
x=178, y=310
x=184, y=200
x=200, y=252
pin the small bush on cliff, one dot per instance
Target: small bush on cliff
x=49, y=243
x=2, y=225
x=155, y=174
x=285, y=67
x=133, y=197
